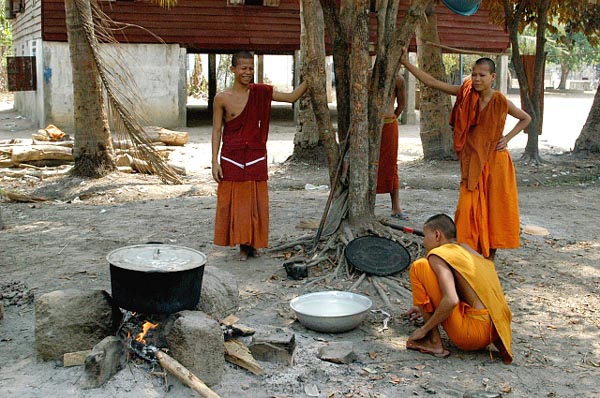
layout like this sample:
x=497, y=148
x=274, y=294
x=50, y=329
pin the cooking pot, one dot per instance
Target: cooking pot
x=156, y=278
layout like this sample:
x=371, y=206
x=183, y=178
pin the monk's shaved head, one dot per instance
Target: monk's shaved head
x=241, y=55
x=487, y=61
x=443, y=223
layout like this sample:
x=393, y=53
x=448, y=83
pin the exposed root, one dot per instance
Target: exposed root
x=534, y=160
x=328, y=268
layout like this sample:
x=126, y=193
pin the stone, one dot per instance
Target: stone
x=219, y=296
x=71, y=320
x=338, y=352
x=106, y=359
x=481, y=394
x=277, y=345
x=196, y=341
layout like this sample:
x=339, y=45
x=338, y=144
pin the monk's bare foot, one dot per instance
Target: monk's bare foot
x=426, y=346
x=244, y=252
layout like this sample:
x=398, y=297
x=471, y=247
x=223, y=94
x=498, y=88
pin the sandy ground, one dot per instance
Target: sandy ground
x=552, y=282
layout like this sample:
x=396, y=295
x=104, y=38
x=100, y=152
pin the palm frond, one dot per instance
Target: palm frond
x=122, y=94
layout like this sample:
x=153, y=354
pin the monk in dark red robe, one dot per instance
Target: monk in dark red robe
x=241, y=116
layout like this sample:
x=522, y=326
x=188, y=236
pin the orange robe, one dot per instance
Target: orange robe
x=387, y=173
x=468, y=328
x=487, y=213
x=242, y=215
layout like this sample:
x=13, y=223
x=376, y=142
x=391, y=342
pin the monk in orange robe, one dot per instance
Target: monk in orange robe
x=241, y=116
x=458, y=289
x=387, y=172
x=487, y=214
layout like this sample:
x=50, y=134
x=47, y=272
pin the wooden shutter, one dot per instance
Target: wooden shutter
x=21, y=73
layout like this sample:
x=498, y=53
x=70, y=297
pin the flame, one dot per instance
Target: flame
x=145, y=328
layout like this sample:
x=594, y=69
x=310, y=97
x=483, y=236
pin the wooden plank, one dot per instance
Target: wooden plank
x=212, y=26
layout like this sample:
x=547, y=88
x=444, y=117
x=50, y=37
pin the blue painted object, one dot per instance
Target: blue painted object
x=463, y=7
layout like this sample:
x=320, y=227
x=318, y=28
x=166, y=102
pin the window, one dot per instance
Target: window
x=21, y=73
x=12, y=7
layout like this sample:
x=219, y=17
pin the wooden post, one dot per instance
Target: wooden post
x=260, y=69
x=212, y=80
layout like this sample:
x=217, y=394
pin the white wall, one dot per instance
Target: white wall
x=158, y=70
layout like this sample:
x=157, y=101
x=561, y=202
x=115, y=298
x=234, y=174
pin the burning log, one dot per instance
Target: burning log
x=153, y=355
x=184, y=375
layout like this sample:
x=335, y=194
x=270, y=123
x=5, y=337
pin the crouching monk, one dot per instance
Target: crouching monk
x=241, y=116
x=458, y=289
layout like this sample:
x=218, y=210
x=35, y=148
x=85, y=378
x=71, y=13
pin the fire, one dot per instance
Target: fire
x=145, y=328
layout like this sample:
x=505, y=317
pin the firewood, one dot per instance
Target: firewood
x=184, y=375
x=238, y=354
x=28, y=153
x=230, y=320
x=75, y=358
x=242, y=330
x=20, y=197
x=169, y=137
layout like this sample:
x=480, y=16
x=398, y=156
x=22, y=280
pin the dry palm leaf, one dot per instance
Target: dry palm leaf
x=124, y=103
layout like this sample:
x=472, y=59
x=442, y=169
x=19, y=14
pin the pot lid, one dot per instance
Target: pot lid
x=377, y=255
x=156, y=258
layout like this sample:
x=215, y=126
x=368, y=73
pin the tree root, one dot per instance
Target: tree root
x=534, y=160
x=329, y=270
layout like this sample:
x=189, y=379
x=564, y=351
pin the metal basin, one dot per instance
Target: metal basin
x=331, y=311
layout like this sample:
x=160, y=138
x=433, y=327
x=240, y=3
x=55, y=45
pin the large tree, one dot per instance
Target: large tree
x=542, y=15
x=363, y=93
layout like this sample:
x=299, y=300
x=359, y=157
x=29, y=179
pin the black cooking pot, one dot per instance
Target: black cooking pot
x=156, y=278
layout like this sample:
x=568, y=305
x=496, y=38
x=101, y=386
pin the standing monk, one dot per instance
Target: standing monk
x=487, y=214
x=241, y=116
x=459, y=290
x=387, y=173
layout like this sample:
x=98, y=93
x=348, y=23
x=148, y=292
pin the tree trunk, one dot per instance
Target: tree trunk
x=93, y=147
x=360, y=63
x=589, y=138
x=436, y=134
x=307, y=144
x=564, y=74
x=313, y=70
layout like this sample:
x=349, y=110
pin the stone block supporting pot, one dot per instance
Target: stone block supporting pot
x=196, y=341
x=220, y=295
x=71, y=320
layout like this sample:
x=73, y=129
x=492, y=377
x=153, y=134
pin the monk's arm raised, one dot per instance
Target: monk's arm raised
x=427, y=79
x=217, y=131
x=290, y=97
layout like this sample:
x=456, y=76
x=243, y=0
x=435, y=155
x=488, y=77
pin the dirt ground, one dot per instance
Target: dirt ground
x=552, y=282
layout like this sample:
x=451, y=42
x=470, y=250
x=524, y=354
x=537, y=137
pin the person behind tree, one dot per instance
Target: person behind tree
x=456, y=288
x=487, y=214
x=387, y=173
x=241, y=116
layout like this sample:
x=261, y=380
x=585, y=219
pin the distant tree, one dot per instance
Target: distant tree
x=542, y=15
x=589, y=25
x=571, y=51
